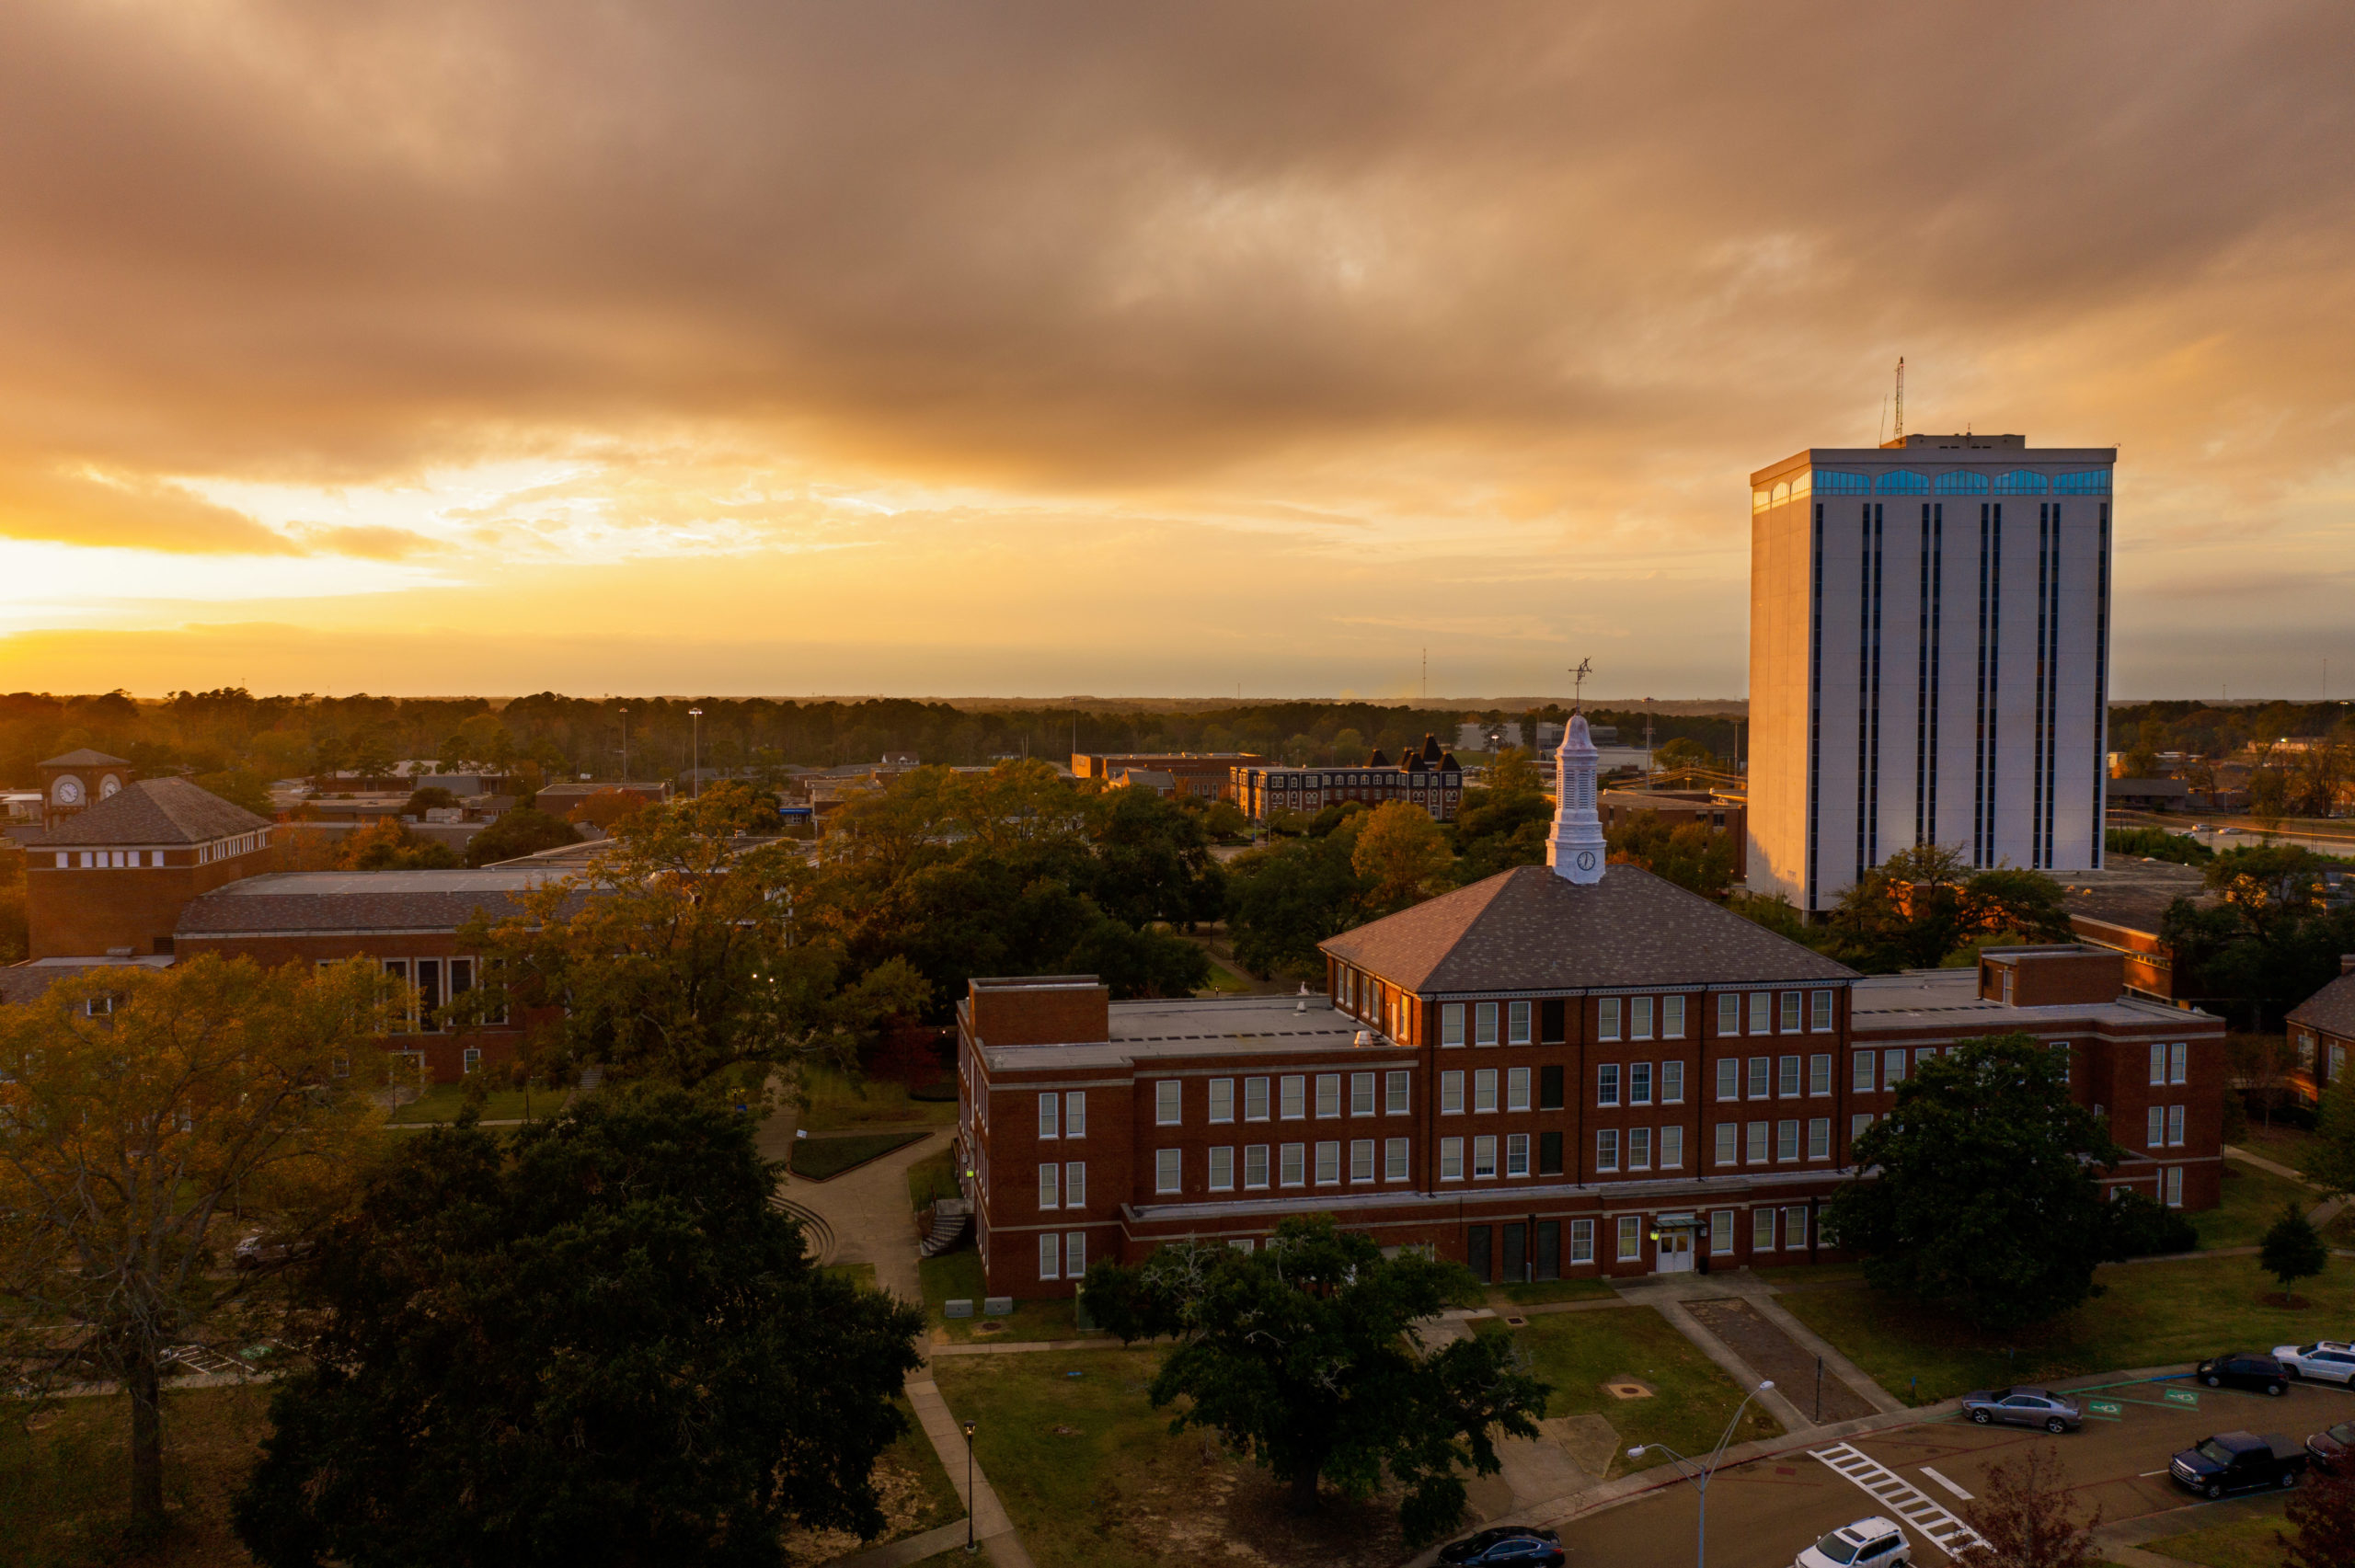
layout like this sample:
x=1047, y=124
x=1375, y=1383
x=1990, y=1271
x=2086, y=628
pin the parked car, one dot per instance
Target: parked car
x=2330, y=1447
x=1875, y=1542
x=2024, y=1407
x=1524, y=1546
x=263, y=1251
x=2326, y=1360
x=2239, y=1461
x=2239, y=1369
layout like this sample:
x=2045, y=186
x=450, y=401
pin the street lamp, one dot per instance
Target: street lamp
x=1687, y=1467
x=970, y=1547
x=694, y=764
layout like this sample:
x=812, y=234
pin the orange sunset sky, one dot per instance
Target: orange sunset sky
x=970, y=347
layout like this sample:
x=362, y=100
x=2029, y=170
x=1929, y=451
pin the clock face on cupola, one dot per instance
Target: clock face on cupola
x=68, y=791
x=108, y=785
x=83, y=778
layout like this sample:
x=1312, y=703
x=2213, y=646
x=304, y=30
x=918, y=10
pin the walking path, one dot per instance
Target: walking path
x=1787, y=1345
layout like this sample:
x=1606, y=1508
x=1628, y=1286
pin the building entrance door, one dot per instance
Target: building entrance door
x=1516, y=1247
x=1675, y=1252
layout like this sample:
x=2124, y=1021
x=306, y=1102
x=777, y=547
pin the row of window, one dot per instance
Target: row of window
x=1063, y=1256
x=1063, y=1116
x=106, y=860
x=1283, y=1165
x=1063, y=1186
x=2164, y=1129
x=2170, y=1064
x=1771, y=1143
x=1641, y=1017
x=1485, y=1081
x=1772, y=1077
x=1912, y=482
x=1288, y=1102
x=1764, y=1227
x=429, y=977
x=1639, y=1141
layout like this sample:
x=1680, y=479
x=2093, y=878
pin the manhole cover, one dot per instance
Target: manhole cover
x=1517, y=1323
x=1627, y=1388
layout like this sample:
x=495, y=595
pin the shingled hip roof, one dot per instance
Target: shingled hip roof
x=2331, y=1010
x=86, y=758
x=153, y=812
x=1528, y=929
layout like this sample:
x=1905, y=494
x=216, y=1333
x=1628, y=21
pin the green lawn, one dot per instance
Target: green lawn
x=1578, y=1352
x=2245, y=1543
x=2282, y=1145
x=859, y=1274
x=958, y=1275
x=1550, y=1291
x=820, y=1158
x=2152, y=1314
x=837, y=1101
x=444, y=1100
x=64, y=1477
x=2252, y=1202
x=931, y=1178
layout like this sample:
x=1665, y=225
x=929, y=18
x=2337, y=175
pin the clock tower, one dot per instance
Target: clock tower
x=79, y=780
x=1576, y=850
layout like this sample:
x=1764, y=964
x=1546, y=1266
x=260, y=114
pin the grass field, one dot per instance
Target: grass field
x=1579, y=1352
x=2244, y=1543
x=837, y=1101
x=444, y=1100
x=2282, y=1145
x=2252, y=1202
x=64, y=1482
x=1537, y=1295
x=859, y=1274
x=932, y=1178
x=2150, y=1315
x=958, y=1275
x=821, y=1159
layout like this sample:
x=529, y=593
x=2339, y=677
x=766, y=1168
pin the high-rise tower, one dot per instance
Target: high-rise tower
x=1929, y=652
x=1576, y=850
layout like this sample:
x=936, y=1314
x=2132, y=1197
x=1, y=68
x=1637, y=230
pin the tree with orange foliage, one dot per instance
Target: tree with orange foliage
x=606, y=808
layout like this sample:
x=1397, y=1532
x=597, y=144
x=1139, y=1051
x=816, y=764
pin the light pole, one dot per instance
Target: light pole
x=970, y=1547
x=695, y=762
x=1708, y=1469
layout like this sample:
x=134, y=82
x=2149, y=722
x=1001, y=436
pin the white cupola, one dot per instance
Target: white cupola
x=1576, y=852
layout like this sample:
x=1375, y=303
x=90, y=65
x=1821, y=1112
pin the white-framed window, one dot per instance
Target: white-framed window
x=1790, y=1012
x=1787, y=1140
x=1517, y=1024
x=1050, y=1256
x=1582, y=1241
x=1787, y=1077
x=1517, y=1154
x=1761, y=1070
x=2159, y=1063
x=1606, y=1019
x=1892, y=1065
x=1167, y=1102
x=1758, y=1134
x=1484, y=1088
x=470, y=1058
x=1672, y=1018
x=1672, y=1083
x=1606, y=1148
x=1221, y=1170
x=1728, y=1078
x=2062, y=1054
x=1361, y=1159
x=1168, y=1167
x=1794, y=1229
x=1820, y=1012
x=1484, y=1024
x=1762, y=1004
x=1450, y=1023
x=1451, y=1158
x=1819, y=1137
x=1394, y=1160
x=1729, y=1012
x=1639, y=1018
x=1818, y=1073
x=1639, y=1149
x=1517, y=1089
x=1720, y=1231
x=1254, y=1165
x=1640, y=1084
x=1727, y=1136
x=1484, y=1158
x=1221, y=1099
x=1762, y=1229
x=1291, y=1165
x=2154, y=1131
x=1051, y=1186
x=1631, y=1237
x=1361, y=1094
x=1254, y=1099
x=2338, y=1063
x=1293, y=1089
x=1857, y=1123
x=2180, y=1064
x=1924, y=1054
x=1328, y=1094
x=1671, y=1147
x=1861, y=1073
x=1076, y=1254
x=2175, y=1126
x=1451, y=1093
x=1075, y=1185
x=1606, y=1084
x=2174, y=1186
x=1393, y=1093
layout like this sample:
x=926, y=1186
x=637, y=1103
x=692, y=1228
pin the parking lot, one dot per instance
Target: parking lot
x=1762, y=1513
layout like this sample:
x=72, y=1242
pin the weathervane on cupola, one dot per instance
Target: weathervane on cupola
x=1576, y=850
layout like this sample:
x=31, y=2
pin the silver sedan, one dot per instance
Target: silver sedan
x=2024, y=1407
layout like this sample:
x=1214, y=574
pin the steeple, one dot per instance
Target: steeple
x=1576, y=850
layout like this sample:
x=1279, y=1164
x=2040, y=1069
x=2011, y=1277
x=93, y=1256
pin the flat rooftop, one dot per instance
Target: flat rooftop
x=1208, y=1026
x=1941, y=997
x=333, y=884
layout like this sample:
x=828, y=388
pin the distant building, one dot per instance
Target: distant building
x=2322, y=1028
x=2149, y=795
x=1161, y=783
x=1196, y=773
x=111, y=879
x=79, y=780
x=1679, y=808
x=1425, y=776
x=1929, y=637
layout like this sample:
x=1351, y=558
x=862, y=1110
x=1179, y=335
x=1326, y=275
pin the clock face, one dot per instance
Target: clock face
x=68, y=791
x=1586, y=859
x=108, y=786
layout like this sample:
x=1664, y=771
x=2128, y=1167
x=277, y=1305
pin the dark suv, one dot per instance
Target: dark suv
x=2239, y=1369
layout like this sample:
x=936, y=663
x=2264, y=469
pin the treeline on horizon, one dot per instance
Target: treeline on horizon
x=546, y=736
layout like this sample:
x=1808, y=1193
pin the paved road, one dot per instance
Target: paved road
x=1762, y=1513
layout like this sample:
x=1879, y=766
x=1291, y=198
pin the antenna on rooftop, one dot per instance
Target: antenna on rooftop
x=1578, y=683
x=1900, y=432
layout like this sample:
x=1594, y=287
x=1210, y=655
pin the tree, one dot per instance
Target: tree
x=596, y=1343
x=1675, y=756
x=1498, y=828
x=2329, y=1159
x=1691, y=854
x=2026, y=903
x=2292, y=1250
x=1282, y=901
x=387, y=844
x=1403, y=854
x=519, y=832
x=427, y=797
x=2273, y=939
x=2322, y=1514
x=2024, y=1514
x=1512, y=775
x=143, y=1108
x=240, y=786
x=1298, y=1354
x=1984, y=1190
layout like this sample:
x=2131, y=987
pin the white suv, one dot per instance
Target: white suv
x=2326, y=1360
x=1868, y=1543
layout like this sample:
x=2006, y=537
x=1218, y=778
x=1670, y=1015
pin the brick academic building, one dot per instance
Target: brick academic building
x=1425, y=776
x=1559, y=1071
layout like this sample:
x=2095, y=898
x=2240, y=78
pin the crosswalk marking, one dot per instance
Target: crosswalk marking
x=1901, y=1497
x=1946, y=1483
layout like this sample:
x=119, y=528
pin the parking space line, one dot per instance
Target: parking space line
x=1949, y=1486
x=1893, y=1491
